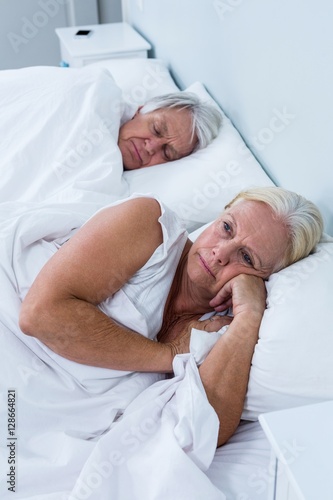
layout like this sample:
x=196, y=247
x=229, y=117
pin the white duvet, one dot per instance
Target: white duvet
x=59, y=133
x=107, y=434
x=113, y=435
x=85, y=433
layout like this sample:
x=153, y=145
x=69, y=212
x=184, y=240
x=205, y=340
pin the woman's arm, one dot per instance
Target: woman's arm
x=61, y=309
x=225, y=371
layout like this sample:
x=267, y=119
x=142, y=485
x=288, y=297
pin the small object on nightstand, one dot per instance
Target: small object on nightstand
x=101, y=41
x=83, y=33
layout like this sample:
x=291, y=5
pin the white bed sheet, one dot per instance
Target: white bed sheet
x=59, y=132
x=64, y=426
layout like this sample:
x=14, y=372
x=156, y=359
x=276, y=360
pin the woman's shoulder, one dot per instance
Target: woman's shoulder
x=142, y=217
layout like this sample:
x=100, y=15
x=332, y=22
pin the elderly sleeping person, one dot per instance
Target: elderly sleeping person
x=125, y=291
x=167, y=128
x=93, y=145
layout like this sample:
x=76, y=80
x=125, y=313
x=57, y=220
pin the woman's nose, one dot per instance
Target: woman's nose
x=153, y=145
x=222, y=253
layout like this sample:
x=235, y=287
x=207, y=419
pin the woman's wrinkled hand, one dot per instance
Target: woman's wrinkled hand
x=245, y=293
x=178, y=335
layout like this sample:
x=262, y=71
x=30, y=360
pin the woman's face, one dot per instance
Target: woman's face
x=158, y=137
x=246, y=239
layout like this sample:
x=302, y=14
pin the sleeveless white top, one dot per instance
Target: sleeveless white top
x=139, y=304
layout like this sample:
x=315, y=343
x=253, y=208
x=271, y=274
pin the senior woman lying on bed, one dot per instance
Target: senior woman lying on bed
x=132, y=269
x=167, y=128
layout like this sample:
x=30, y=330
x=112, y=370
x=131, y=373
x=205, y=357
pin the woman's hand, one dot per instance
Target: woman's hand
x=178, y=334
x=247, y=296
x=225, y=371
x=245, y=293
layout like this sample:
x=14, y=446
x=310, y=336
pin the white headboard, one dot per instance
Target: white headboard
x=269, y=65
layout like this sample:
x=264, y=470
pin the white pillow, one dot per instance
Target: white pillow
x=139, y=79
x=292, y=364
x=198, y=186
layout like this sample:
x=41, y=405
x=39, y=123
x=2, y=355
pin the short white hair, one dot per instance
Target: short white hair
x=206, y=118
x=301, y=217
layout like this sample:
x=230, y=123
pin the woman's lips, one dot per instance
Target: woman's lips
x=205, y=265
x=137, y=153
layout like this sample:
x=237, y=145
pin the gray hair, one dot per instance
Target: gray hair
x=206, y=118
x=300, y=216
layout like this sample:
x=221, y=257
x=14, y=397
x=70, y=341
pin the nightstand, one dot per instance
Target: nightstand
x=106, y=41
x=302, y=443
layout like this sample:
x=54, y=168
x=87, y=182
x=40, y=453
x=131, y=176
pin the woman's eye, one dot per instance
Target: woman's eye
x=227, y=227
x=166, y=155
x=247, y=259
x=156, y=131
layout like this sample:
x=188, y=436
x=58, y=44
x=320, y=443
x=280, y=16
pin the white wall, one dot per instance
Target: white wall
x=270, y=66
x=27, y=34
x=27, y=27
x=110, y=11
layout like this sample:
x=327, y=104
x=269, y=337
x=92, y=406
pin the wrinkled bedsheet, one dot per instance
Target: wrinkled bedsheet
x=105, y=437
x=85, y=432
x=59, y=132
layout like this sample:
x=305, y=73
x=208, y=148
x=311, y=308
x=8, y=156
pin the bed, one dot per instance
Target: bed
x=84, y=432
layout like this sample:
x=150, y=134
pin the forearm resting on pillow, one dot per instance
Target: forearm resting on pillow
x=225, y=371
x=225, y=374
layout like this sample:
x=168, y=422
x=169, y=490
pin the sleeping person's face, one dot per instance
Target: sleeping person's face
x=157, y=137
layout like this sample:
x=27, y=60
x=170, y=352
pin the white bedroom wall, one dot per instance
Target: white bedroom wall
x=27, y=27
x=270, y=66
x=110, y=11
x=27, y=34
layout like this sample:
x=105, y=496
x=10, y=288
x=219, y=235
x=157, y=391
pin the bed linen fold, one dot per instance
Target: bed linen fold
x=59, y=132
x=161, y=446
x=64, y=426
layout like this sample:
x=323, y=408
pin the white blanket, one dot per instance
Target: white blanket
x=59, y=163
x=85, y=432
x=67, y=440
x=59, y=131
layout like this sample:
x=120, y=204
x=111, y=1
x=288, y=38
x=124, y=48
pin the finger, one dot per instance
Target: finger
x=222, y=297
x=215, y=323
x=224, y=307
x=220, y=304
